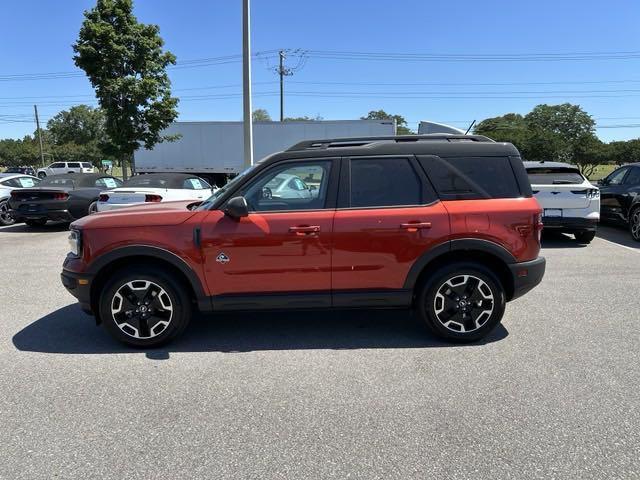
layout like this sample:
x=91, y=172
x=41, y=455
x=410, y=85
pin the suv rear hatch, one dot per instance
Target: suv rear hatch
x=560, y=187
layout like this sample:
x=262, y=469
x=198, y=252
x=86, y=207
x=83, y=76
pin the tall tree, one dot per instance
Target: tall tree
x=260, y=115
x=401, y=123
x=126, y=64
x=506, y=128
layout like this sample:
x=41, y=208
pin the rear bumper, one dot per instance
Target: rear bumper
x=78, y=285
x=569, y=223
x=55, y=215
x=526, y=275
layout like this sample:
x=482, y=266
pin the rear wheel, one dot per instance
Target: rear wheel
x=41, y=174
x=37, y=222
x=584, y=237
x=5, y=214
x=634, y=224
x=144, y=307
x=462, y=302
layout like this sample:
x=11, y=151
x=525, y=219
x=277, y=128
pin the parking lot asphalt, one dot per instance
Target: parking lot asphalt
x=553, y=393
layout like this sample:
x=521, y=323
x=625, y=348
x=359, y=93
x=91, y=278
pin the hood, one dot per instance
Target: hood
x=143, y=215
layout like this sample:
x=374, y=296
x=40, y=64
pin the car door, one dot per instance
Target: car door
x=57, y=168
x=283, y=246
x=612, y=190
x=388, y=216
x=74, y=167
x=630, y=191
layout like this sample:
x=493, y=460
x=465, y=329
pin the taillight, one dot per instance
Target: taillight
x=60, y=196
x=152, y=198
x=103, y=198
x=538, y=225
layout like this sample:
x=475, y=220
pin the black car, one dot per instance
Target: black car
x=23, y=170
x=620, y=198
x=60, y=197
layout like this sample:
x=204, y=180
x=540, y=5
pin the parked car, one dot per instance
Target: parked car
x=22, y=170
x=8, y=183
x=621, y=198
x=60, y=197
x=571, y=204
x=446, y=224
x=155, y=187
x=58, y=168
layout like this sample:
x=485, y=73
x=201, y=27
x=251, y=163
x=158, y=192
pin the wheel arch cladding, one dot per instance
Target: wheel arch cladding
x=103, y=267
x=490, y=255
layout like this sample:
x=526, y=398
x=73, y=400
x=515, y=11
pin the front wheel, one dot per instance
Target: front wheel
x=634, y=224
x=144, y=307
x=5, y=214
x=41, y=175
x=585, y=237
x=462, y=302
x=93, y=208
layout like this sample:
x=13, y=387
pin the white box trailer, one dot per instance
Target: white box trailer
x=425, y=128
x=210, y=149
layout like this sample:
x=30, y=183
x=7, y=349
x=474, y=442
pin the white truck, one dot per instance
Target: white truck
x=214, y=150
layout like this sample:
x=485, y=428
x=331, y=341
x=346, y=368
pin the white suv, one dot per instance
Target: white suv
x=65, y=167
x=571, y=204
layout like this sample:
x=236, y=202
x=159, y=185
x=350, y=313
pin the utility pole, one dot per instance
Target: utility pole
x=246, y=84
x=35, y=108
x=281, y=72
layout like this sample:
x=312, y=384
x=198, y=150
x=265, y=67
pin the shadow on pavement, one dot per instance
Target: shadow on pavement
x=619, y=235
x=69, y=330
x=551, y=239
x=23, y=228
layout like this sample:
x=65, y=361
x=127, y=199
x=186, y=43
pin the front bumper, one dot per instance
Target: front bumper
x=78, y=285
x=569, y=223
x=526, y=275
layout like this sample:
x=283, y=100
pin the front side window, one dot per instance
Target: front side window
x=57, y=165
x=108, y=182
x=617, y=177
x=384, y=182
x=26, y=182
x=291, y=186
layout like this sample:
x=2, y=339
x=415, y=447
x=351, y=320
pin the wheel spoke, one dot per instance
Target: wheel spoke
x=463, y=303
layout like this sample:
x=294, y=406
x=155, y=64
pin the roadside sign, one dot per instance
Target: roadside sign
x=107, y=163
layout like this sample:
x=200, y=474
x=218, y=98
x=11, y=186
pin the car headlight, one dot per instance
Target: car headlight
x=75, y=242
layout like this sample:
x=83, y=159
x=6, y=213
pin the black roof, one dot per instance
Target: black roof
x=79, y=179
x=446, y=145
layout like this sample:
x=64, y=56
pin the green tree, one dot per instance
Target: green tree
x=126, y=64
x=260, y=115
x=401, y=123
x=304, y=118
x=506, y=128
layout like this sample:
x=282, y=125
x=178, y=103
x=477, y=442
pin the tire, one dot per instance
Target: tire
x=39, y=222
x=5, y=214
x=634, y=224
x=41, y=175
x=170, y=306
x=454, y=316
x=93, y=208
x=585, y=237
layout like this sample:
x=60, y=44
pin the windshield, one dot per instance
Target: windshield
x=218, y=193
x=554, y=176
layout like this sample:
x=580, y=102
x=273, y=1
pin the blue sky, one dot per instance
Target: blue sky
x=37, y=37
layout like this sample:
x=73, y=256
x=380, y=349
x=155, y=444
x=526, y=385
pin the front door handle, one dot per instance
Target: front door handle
x=305, y=230
x=413, y=226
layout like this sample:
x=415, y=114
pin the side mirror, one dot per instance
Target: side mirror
x=237, y=208
x=312, y=187
x=602, y=182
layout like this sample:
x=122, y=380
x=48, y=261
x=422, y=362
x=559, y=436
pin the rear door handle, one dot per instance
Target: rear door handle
x=416, y=225
x=305, y=229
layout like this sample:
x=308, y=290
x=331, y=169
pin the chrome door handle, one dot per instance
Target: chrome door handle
x=416, y=225
x=305, y=229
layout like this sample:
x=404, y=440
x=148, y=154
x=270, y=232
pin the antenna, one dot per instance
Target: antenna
x=470, y=127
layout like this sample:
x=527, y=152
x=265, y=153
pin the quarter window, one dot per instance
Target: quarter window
x=384, y=182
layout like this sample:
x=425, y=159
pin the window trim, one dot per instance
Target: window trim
x=344, y=196
x=332, y=189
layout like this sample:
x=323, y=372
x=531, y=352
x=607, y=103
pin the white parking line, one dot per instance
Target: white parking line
x=636, y=250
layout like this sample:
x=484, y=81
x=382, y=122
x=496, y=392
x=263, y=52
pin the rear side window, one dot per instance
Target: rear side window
x=634, y=177
x=384, y=183
x=73, y=165
x=462, y=178
x=554, y=176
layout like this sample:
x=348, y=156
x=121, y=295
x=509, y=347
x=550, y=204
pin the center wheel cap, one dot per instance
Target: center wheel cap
x=143, y=308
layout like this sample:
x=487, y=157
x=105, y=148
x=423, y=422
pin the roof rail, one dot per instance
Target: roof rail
x=363, y=141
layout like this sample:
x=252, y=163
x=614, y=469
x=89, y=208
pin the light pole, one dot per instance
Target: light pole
x=246, y=84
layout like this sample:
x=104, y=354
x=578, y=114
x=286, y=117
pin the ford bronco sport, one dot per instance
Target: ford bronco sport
x=444, y=224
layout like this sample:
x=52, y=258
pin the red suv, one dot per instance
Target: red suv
x=445, y=224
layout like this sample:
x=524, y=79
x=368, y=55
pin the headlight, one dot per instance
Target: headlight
x=75, y=242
